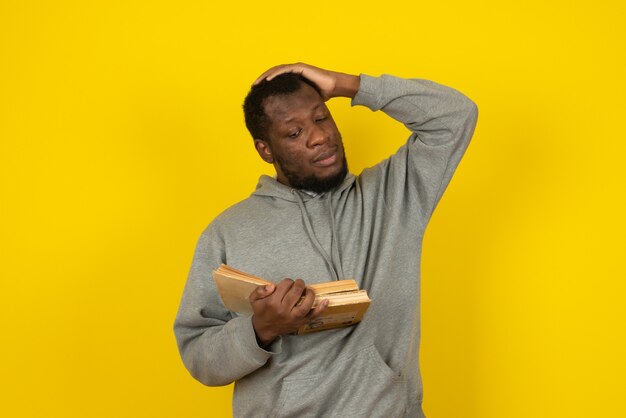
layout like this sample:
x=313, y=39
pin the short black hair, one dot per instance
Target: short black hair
x=257, y=120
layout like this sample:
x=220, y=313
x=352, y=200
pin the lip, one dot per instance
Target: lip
x=326, y=158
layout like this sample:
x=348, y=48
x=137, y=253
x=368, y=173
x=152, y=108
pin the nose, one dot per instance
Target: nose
x=318, y=136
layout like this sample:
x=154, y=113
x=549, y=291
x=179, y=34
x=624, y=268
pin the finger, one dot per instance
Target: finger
x=261, y=292
x=271, y=72
x=282, y=288
x=278, y=70
x=304, y=307
x=293, y=296
x=289, y=68
x=319, y=309
x=265, y=74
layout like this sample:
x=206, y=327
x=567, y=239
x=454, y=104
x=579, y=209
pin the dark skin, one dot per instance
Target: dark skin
x=305, y=138
x=277, y=311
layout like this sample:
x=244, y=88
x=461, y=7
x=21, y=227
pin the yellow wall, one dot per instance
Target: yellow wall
x=121, y=137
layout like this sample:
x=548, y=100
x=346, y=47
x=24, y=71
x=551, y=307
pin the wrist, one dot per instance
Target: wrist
x=347, y=85
x=264, y=336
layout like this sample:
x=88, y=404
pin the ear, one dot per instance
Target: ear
x=264, y=150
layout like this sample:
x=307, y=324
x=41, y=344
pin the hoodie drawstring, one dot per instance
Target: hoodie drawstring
x=334, y=264
x=334, y=243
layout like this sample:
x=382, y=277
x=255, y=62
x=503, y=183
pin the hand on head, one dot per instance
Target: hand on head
x=331, y=83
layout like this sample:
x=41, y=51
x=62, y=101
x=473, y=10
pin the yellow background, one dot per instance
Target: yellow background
x=122, y=137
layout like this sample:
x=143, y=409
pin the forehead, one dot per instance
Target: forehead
x=285, y=108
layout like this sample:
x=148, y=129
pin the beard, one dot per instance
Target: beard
x=313, y=183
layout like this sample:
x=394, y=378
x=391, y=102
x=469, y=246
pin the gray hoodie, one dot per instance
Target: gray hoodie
x=370, y=228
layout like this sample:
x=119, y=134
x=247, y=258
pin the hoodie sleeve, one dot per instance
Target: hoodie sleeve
x=216, y=347
x=442, y=121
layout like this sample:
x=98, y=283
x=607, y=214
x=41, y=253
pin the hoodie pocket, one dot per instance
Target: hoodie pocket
x=358, y=385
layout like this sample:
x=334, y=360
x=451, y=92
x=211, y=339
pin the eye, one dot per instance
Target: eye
x=295, y=134
x=321, y=118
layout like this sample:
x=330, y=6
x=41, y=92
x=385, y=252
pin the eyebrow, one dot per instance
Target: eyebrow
x=312, y=110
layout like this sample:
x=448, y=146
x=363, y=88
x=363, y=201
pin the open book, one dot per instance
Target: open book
x=347, y=304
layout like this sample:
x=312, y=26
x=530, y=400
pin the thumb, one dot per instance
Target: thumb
x=262, y=292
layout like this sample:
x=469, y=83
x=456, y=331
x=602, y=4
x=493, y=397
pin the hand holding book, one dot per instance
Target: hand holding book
x=282, y=309
x=290, y=306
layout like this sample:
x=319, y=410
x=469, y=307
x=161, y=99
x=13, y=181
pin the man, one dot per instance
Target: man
x=315, y=222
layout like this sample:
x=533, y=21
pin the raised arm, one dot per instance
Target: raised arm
x=442, y=121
